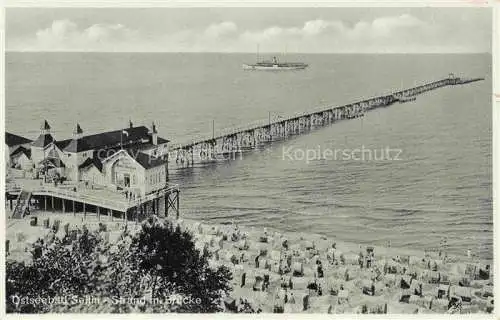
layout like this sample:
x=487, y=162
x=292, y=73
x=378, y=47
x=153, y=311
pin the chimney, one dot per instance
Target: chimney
x=78, y=132
x=154, y=135
x=45, y=128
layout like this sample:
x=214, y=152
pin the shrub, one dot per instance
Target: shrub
x=159, y=262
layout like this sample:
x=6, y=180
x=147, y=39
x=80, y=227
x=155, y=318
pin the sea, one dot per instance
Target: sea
x=432, y=190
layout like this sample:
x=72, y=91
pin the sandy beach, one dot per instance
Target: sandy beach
x=294, y=272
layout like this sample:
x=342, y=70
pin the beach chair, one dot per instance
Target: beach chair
x=442, y=291
x=439, y=305
x=263, y=252
x=380, y=308
x=404, y=295
x=298, y=269
x=242, y=245
x=343, y=297
x=417, y=287
x=300, y=283
x=484, y=273
x=230, y=304
x=470, y=270
x=465, y=293
x=433, y=277
x=257, y=285
x=263, y=264
x=464, y=282
x=445, y=279
x=405, y=282
x=264, y=239
x=389, y=280
x=350, y=259
x=424, y=302
x=275, y=255
x=368, y=290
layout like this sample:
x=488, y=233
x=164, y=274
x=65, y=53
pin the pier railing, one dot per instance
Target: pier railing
x=81, y=197
x=103, y=201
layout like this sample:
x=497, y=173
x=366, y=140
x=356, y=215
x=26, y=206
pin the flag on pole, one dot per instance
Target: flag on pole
x=121, y=138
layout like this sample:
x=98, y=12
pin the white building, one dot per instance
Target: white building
x=133, y=159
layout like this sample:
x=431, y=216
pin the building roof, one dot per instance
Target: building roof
x=43, y=140
x=91, y=161
x=109, y=139
x=15, y=140
x=27, y=152
x=63, y=143
x=144, y=160
x=77, y=145
x=161, y=140
x=147, y=161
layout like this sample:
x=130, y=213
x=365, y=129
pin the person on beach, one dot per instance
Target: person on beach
x=320, y=270
x=285, y=244
x=305, y=302
x=243, y=279
x=282, y=282
x=266, y=282
x=360, y=258
x=369, y=261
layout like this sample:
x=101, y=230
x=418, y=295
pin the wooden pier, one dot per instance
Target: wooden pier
x=240, y=140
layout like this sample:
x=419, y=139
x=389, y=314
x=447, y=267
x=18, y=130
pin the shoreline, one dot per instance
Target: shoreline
x=353, y=246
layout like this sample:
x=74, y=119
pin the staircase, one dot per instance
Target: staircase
x=22, y=205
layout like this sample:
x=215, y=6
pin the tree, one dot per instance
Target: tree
x=168, y=255
x=159, y=262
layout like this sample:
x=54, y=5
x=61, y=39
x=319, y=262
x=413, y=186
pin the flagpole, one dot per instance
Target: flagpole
x=121, y=139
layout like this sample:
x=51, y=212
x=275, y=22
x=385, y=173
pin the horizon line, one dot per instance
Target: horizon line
x=244, y=52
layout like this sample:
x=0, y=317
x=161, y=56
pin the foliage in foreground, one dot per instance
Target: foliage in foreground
x=156, y=270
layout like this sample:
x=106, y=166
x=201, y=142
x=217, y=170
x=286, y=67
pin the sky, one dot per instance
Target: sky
x=304, y=30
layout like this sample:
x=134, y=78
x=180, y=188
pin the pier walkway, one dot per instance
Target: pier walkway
x=69, y=198
x=243, y=139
